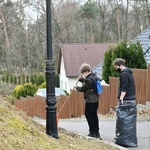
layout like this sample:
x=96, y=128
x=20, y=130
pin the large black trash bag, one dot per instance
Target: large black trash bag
x=126, y=125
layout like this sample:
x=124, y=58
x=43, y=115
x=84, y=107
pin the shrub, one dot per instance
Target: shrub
x=18, y=91
x=27, y=89
x=43, y=85
x=39, y=79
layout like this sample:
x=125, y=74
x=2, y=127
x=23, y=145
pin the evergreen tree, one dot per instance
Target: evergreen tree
x=19, y=79
x=23, y=78
x=32, y=79
x=89, y=10
x=106, y=67
x=27, y=79
x=39, y=79
x=133, y=55
x=3, y=78
x=11, y=79
x=7, y=78
x=15, y=79
x=56, y=80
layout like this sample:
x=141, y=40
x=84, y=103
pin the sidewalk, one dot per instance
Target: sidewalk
x=107, y=129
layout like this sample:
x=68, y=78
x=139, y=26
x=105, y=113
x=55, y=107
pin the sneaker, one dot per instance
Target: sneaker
x=97, y=135
x=90, y=134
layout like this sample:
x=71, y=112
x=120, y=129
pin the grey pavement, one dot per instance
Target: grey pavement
x=107, y=129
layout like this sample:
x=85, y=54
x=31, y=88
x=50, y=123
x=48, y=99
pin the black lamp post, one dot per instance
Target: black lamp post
x=51, y=125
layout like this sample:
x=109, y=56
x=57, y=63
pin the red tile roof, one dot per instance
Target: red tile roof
x=74, y=55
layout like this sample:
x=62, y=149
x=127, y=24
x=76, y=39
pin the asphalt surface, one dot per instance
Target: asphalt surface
x=107, y=129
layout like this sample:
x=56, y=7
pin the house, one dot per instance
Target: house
x=72, y=56
x=144, y=39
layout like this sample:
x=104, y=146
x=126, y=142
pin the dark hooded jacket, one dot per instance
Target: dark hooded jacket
x=88, y=88
x=127, y=84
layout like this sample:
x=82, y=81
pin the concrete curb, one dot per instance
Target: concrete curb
x=106, y=142
x=42, y=121
x=115, y=145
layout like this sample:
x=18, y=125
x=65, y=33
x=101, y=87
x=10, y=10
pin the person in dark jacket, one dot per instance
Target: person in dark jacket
x=91, y=99
x=126, y=89
x=126, y=111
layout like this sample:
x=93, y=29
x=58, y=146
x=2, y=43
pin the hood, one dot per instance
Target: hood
x=127, y=70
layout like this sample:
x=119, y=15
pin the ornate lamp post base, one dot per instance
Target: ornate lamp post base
x=51, y=129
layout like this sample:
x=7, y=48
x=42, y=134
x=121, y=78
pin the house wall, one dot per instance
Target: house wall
x=72, y=82
x=63, y=79
x=65, y=82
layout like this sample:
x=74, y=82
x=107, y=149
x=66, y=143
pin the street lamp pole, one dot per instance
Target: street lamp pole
x=51, y=125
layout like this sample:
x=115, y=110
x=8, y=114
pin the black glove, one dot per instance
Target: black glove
x=120, y=102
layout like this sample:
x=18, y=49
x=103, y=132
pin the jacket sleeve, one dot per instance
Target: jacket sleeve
x=88, y=84
x=124, y=82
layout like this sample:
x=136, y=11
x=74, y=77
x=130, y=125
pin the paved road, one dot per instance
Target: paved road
x=107, y=129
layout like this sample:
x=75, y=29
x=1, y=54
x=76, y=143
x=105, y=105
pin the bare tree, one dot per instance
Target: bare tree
x=8, y=49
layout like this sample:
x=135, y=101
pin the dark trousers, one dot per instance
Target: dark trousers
x=91, y=116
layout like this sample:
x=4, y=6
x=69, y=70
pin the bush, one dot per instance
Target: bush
x=39, y=79
x=27, y=89
x=43, y=85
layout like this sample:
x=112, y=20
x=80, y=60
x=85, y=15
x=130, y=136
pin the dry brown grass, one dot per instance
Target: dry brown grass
x=19, y=132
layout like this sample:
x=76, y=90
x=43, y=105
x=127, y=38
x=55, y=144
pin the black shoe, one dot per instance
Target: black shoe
x=90, y=134
x=97, y=135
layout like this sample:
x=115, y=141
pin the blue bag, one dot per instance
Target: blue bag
x=97, y=85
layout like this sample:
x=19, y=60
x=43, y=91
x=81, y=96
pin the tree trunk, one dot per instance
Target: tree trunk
x=8, y=50
x=118, y=20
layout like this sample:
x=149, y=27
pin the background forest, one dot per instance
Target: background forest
x=23, y=28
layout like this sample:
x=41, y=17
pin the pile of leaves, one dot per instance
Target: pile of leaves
x=18, y=132
x=143, y=112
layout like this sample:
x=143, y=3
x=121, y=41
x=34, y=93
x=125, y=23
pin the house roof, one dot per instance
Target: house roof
x=144, y=39
x=74, y=55
x=98, y=70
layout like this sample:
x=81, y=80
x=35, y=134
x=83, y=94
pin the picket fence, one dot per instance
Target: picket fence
x=74, y=107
